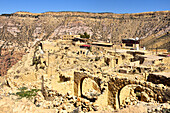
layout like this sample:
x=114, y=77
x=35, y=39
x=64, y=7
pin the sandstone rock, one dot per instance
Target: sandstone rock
x=78, y=103
x=64, y=107
x=144, y=97
x=135, y=102
x=79, y=99
x=39, y=93
x=95, y=107
x=56, y=111
x=63, y=111
x=85, y=110
x=69, y=93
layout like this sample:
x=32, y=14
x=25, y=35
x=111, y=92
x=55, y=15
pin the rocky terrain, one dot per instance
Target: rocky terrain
x=44, y=73
x=23, y=27
x=59, y=76
x=8, y=58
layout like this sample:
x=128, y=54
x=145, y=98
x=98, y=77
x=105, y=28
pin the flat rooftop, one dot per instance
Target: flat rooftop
x=117, y=50
x=139, y=51
x=102, y=43
x=151, y=57
x=167, y=74
x=130, y=51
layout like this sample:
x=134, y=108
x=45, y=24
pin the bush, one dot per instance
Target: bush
x=85, y=35
x=97, y=58
x=138, y=94
x=27, y=93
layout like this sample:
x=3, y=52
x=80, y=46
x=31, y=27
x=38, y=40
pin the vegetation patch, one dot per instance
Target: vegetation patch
x=85, y=35
x=25, y=92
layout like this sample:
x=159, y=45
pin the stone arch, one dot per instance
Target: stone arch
x=116, y=84
x=78, y=81
x=81, y=88
x=129, y=90
x=81, y=85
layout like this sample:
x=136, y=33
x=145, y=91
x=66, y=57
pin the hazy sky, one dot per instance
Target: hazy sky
x=115, y=6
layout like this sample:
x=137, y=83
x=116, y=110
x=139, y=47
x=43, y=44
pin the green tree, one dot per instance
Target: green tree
x=85, y=35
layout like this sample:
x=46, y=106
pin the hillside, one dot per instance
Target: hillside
x=21, y=30
x=160, y=42
x=24, y=27
x=40, y=72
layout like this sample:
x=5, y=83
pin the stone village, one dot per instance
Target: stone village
x=78, y=74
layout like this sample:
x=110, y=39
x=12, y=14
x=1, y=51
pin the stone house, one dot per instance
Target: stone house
x=130, y=43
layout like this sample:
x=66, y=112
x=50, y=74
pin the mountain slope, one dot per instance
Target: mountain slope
x=160, y=42
x=24, y=27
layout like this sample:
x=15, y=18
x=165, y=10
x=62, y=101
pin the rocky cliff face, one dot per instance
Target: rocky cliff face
x=21, y=28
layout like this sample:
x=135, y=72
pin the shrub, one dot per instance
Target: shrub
x=138, y=94
x=97, y=58
x=85, y=35
x=27, y=93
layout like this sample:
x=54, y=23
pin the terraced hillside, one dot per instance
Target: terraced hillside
x=21, y=28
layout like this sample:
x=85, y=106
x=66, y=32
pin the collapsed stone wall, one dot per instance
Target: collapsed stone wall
x=100, y=98
x=64, y=87
x=115, y=85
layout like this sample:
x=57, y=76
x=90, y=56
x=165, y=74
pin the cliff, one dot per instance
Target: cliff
x=23, y=27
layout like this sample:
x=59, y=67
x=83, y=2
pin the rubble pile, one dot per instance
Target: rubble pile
x=62, y=103
x=80, y=76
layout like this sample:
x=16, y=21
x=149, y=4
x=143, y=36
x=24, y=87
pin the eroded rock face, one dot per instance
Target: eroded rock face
x=7, y=60
x=99, y=26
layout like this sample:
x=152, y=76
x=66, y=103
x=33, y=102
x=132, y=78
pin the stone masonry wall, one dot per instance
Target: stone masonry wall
x=116, y=84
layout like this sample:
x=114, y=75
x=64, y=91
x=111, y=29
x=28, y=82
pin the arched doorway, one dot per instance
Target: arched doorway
x=131, y=93
x=89, y=89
